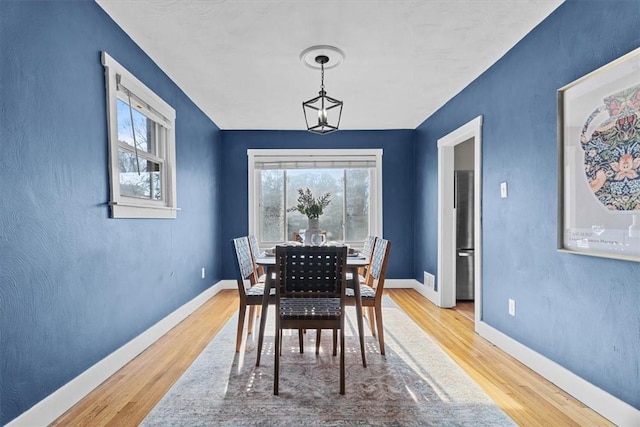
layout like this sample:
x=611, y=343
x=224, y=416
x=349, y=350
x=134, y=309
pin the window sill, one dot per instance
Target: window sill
x=122, y=210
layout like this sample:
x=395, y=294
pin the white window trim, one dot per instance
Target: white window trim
x=375, y=213
x=129, y=207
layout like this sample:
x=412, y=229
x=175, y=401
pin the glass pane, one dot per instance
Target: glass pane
x=357, y=218
x=319, y=181
x=143, y=127
x=272, y=206
x=146, y=184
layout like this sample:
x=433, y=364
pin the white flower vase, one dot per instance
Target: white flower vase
x=313, y=234
x=314, y=224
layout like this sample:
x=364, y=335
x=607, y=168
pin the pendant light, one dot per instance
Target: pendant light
x=322, y=114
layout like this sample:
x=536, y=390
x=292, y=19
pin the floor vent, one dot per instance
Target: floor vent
x=429, y=280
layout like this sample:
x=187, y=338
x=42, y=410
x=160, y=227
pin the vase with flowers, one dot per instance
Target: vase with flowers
x=311, y=207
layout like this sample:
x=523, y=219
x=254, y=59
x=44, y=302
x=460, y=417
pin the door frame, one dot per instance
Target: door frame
x=446, y=289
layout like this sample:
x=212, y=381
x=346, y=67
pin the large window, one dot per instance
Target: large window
x=352, y=177
x=141, y=147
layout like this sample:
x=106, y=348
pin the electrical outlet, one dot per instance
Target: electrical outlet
x=503, y=190
x=202, y=274
x=512, y=307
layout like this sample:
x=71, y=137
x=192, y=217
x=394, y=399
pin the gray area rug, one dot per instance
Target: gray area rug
x=415, y=384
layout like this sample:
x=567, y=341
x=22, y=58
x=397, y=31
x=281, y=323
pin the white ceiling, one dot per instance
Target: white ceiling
x=239, y=60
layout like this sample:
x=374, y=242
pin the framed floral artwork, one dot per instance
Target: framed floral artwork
x=599, y=161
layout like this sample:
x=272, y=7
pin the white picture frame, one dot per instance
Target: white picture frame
x=599, y=161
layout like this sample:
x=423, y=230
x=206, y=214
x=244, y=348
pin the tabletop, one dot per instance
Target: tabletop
x=355, y=261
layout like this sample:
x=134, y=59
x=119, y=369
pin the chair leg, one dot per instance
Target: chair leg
x=241, y=314
x=276, y=364
x=359, y=315
x=252, y=314
x=301, y=340
x=318, y=334
x=372, y=323
x=380, y=328
x=335, y=342
x=342, y=369
x=263, y=322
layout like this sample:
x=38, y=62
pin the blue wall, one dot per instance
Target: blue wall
x=582, y=312
x=397, y=185
x=76, y=285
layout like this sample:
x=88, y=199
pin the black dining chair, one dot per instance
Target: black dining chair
x=310, y=294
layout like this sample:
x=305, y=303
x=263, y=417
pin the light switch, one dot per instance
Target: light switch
x=503, y=190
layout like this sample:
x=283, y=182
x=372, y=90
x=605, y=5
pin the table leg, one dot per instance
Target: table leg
x=268, y=283
x=356, y=291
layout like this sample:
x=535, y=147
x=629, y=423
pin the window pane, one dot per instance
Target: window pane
x=357, y=215
x=272, y=206
x=319, y=181
x=143, y=127
x=343, y=220
x=147, y=184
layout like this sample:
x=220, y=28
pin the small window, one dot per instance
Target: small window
x=141, y=147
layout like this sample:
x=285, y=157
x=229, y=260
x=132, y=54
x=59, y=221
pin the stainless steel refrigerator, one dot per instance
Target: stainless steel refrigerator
x=463, y=187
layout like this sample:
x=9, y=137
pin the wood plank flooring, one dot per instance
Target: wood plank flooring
x=130, y=394
x=525, y=396
x=466, y=308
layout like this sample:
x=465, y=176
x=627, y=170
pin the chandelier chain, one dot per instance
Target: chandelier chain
x=322, y=77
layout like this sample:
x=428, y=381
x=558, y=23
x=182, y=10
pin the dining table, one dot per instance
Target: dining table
x=354, y=262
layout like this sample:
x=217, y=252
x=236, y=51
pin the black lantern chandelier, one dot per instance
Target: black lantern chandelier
x=322, y=114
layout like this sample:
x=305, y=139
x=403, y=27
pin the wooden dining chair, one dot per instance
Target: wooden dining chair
x=371, y=291
x=250, y=296
x=367, y=251
x=255, y=253
x=310, y=294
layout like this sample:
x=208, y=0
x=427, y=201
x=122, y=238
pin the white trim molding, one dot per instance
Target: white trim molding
x=121, y=85
x=57, y=403
x=400, y=283
x=445, y=292
x=428, y=292
x=607, y=405
x=340, y=157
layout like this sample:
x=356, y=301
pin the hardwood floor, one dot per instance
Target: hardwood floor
x=525, y=396
x=129, y=395
x=466, y=308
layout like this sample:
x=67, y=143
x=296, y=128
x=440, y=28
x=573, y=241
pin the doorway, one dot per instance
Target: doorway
x=467, y=137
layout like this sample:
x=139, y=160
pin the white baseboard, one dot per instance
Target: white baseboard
x=427, y=292
x=610, y=407
x=400, y=283
x=57, y=403
x=607, y=405
x=227, y=284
